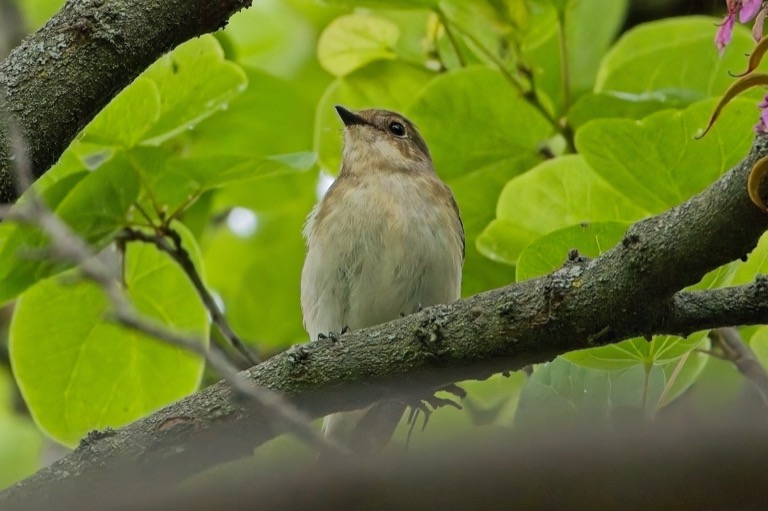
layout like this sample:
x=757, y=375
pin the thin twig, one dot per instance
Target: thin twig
x=564, y=66
x=736, y=350
x=451, y=38
x=183, y=259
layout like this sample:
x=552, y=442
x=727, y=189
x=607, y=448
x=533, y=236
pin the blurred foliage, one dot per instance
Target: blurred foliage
x=554, y=130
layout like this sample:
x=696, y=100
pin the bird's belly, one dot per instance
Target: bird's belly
x=411, y=267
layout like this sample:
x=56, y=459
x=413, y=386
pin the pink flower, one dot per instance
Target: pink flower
x=762, y=124
x=724, y=32
x=748, y=8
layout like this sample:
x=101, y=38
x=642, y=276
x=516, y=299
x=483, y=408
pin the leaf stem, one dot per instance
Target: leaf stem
x=449, y=34
x=564, y=66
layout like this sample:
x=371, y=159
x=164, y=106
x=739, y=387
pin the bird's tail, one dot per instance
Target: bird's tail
x=365, y=431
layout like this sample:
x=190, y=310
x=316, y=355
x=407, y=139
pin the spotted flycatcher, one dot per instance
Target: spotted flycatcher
x=385, y=240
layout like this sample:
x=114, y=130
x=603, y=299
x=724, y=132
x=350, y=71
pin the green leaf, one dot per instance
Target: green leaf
x=78, y=372
x=657, y=163
x=284, y=123
x=127, y=118
x=37, y=12
x=550, y=251
x=562, y=392
x=384, y=84
x=450, y=113
x=756, y=264
x=194, y=82
x=285, y=42
x=663, y=349
x=95, y=208
x=556, y=194
x=170, y=182
x=350, y=42
x=588, y=40
x=585, y=42
x=647, y=60
x=607, y=105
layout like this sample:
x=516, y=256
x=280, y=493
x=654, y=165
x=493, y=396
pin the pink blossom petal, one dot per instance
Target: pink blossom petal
x=724, y=32
x=762, y=124
x=749, y=9
x=757, y=29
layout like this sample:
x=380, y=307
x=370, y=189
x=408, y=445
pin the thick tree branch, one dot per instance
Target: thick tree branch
x=59, y=78
x=633, y=289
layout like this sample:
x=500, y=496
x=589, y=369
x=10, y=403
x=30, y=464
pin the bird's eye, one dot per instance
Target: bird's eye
x=397, y=129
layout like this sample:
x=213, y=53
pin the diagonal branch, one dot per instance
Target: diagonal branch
x=633, y=289
x=59, y=78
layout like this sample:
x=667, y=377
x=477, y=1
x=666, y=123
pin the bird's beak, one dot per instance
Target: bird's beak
x=349, y=118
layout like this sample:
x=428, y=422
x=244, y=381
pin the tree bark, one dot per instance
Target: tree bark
x=633, y=289
x=60, y=77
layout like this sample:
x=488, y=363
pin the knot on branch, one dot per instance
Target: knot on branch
x=429, y=333
x=575, y=257
x=93, y=437
x=761, y=284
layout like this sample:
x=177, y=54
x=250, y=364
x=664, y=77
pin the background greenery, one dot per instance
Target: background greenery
x=555, y=124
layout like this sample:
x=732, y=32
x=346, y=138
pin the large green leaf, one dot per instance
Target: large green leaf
x=128, y=117
x=269, y=117
x=94, y=206
x=194, y=81
x=657, y=163
x=556, y=194
x=550, y=251
x=351, y=42
x=169, y=181
x=562, y=392
x=653, y=60
x=609, y=104
x=587, y=40
x=78, y=372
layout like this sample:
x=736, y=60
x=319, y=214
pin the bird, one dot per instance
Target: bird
x=385, y=240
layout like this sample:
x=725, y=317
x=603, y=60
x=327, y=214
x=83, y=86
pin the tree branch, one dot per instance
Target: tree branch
x=633, y=289
x=59, y=78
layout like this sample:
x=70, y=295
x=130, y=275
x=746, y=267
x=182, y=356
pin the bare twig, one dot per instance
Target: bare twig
x=736, y=350
x=179, y=254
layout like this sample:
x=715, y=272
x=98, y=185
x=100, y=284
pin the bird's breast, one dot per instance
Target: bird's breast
x=381, y=248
